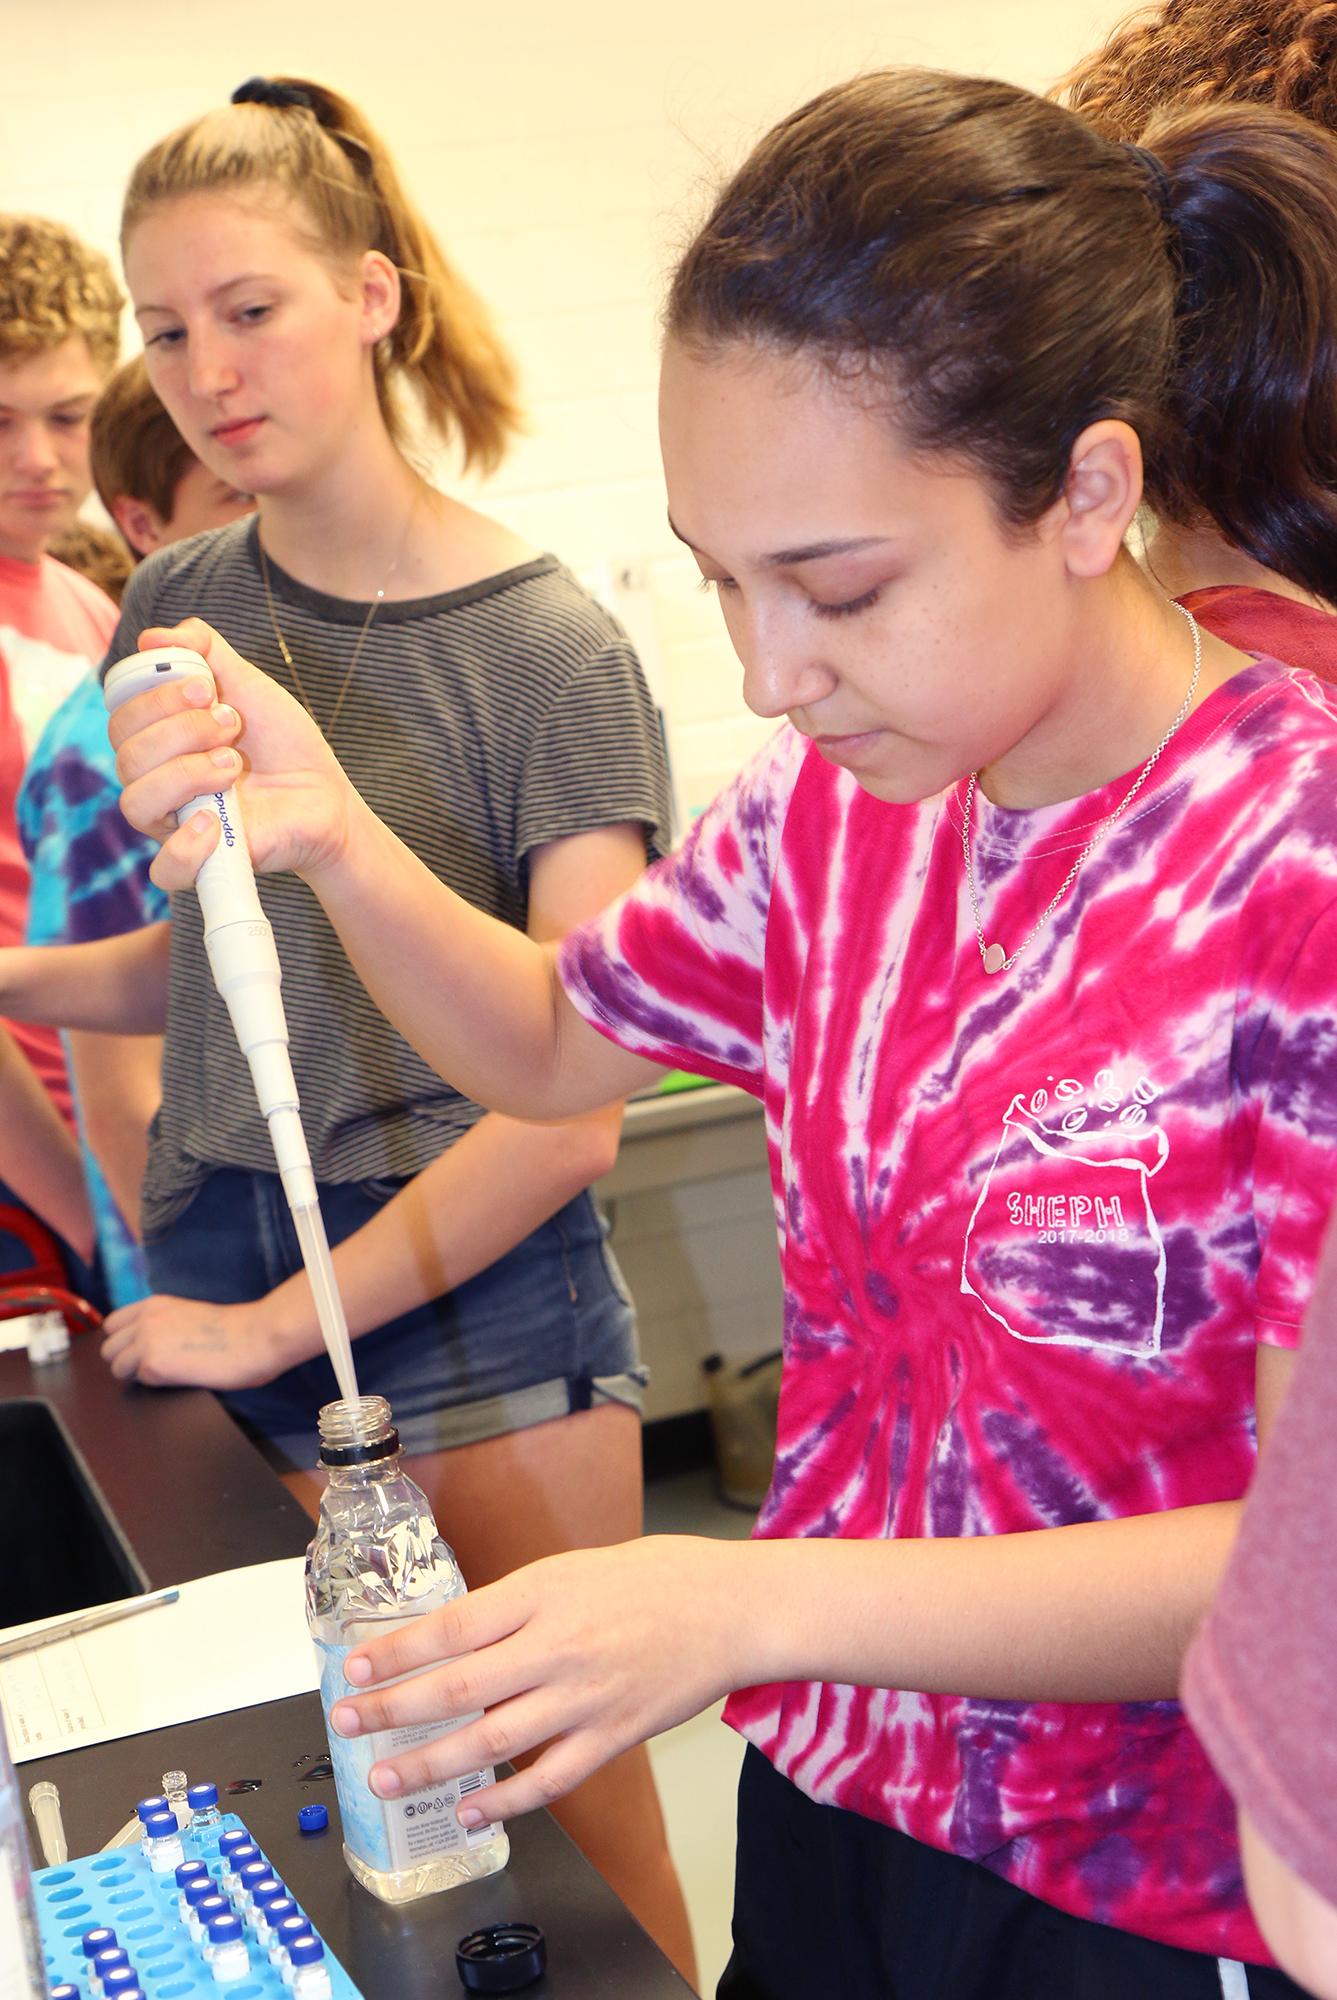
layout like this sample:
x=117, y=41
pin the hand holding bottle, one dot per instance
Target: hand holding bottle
x=589, y=1652
x=178, y=742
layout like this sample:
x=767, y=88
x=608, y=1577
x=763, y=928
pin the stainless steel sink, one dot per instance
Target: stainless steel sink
x=63, y=1547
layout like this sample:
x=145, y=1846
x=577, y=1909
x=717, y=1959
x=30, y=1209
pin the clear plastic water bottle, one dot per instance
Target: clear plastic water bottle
x=376, y=1562
x=162, y=1837
x=205, y=1819
x=226, y=1954
x=310, y=1974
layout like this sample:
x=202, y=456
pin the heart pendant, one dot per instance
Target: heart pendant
x=995, y=958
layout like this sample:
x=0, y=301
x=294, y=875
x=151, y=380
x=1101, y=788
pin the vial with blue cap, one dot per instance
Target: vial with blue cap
x=290, y=1932
x=162, y=1843
x=188, y=1872
x=67, y=1990
x=203, y=1911
x=109, y=1959
x=121, y=1979
x=99, y=1939
x=225, y=1953
x=205, y=1818
x=156, y=1804
x=262, y=1895
x=235, y=1860
x=310, y=1974
x=285, y=1906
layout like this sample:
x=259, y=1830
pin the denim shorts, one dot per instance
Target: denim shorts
x=548, y=1329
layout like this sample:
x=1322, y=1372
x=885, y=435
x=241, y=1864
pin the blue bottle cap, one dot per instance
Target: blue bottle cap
x=92, y=1942
x=109, y=1958
x=66, y=1991
x=314, y=1818
x=306, y=1950
x=200, y=1797
x=277, y=1911
x=119, y=1979
x=253, y=1872
x=236, y=1836
x=158, y=1803
x=293, y=1928
x=248, y=1852
x=161, y=1826
x=267, y=1892
x=210, y=1906
x=198, y=1890
x=225, y=1930
x=188, y=1872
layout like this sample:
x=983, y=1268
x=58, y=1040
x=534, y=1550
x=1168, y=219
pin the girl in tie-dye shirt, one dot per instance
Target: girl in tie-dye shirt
x=1045, y=1224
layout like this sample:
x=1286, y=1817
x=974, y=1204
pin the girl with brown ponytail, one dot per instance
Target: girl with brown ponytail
x=1261, y=579
x=299, y=320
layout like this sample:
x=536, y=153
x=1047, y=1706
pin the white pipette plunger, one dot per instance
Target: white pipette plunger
x=240, y=943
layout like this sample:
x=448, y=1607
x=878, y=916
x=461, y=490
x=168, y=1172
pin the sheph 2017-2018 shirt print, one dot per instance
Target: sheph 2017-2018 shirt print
x=1031, y=1226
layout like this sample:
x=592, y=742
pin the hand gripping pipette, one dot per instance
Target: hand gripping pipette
x=245, y=966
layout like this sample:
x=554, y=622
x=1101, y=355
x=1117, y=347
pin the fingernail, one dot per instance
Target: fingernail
x=226, y=760
x=198, y=691
x=224, y=716
x=385, y=1782
x=200, y=822
x=358, y=1671
x=346, y=1719
x=469, y=1816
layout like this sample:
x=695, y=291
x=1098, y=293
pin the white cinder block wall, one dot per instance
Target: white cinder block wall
x=561, y=153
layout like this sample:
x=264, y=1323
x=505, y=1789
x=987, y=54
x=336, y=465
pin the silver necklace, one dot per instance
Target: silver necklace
x=993, y=956
x=372, y=609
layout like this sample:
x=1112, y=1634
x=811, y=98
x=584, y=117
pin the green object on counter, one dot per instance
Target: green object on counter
x=680, y=1079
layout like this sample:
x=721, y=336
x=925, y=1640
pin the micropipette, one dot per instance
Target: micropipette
x=240, y=944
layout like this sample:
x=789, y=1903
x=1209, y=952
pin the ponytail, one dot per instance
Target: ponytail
x=318, y=149
x=1253, y=391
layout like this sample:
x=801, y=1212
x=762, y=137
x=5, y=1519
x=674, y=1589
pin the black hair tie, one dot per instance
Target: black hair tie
x=282, y=96
x=1157, y=180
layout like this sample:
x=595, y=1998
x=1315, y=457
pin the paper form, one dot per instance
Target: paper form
x=229, y=1641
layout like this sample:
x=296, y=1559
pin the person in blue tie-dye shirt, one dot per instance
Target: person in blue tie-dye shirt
x=90, y=869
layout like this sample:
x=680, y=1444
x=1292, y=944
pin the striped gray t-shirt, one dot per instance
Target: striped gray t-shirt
x=478, y=724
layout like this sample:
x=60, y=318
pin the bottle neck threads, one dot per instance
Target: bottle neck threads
x=357, y=1432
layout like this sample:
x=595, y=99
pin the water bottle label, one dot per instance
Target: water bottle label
x=394, y=1834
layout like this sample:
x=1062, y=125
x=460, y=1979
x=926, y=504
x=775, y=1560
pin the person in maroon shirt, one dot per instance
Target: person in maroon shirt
x=1259, y=1683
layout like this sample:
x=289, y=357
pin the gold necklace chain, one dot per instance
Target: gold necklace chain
x=372, y=609
x=992, y=956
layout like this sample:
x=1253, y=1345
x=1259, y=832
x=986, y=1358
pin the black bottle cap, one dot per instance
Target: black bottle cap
x=501, y=1959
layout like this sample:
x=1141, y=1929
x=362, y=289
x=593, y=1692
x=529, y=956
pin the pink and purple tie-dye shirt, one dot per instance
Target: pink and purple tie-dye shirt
x=1031, y=1226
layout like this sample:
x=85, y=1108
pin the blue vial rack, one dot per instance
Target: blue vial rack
x=120, y=1889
